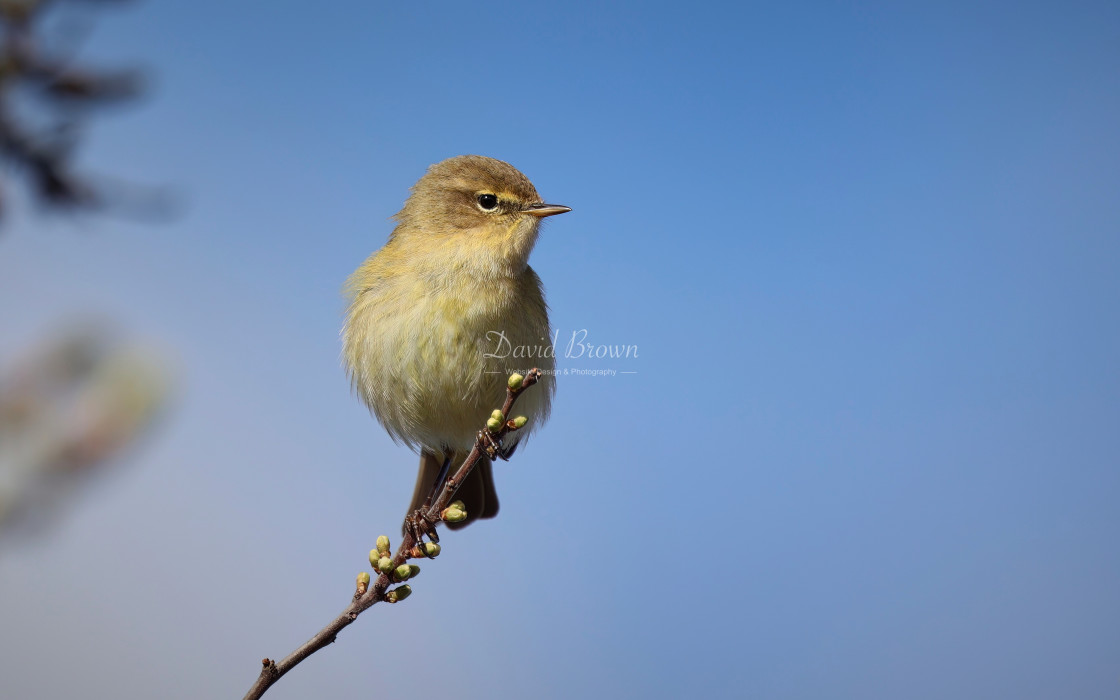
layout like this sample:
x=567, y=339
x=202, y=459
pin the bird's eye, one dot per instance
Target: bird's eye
x=489, y=202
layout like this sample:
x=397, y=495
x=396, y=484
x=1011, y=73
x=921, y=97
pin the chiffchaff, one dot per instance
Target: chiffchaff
x=427, y=309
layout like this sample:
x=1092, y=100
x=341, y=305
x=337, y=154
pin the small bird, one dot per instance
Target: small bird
x=423, y=339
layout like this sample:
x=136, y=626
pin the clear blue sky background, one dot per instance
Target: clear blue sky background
x=869, y=257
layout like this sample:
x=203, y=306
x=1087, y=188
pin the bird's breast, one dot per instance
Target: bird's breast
x=431, y=360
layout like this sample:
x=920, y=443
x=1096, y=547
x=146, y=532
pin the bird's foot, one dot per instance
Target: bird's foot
x=490, y=445
x=417, y=525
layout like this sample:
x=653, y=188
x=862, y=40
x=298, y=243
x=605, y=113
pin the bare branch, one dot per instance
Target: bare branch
x=367, y=595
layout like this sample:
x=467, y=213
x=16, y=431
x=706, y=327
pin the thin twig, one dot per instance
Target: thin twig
x=272, y=671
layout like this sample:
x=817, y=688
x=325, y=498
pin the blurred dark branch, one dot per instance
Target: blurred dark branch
x=41, y=146
x=411, y=546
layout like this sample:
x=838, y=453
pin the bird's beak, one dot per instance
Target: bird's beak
x=542, y=210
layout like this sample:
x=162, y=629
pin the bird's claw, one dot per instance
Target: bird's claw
x=490, y=445
x=417, y=525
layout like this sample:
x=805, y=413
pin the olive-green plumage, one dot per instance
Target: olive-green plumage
x=427, y=308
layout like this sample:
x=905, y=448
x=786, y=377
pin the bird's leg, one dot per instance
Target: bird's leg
x=416, y=523
x=438, y=485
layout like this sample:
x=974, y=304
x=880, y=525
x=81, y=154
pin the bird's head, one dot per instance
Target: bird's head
x=478, y=212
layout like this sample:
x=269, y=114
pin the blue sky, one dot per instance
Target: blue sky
x=868, y=256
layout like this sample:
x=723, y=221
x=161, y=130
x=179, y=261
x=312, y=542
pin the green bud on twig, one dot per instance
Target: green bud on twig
x=383, y=544
x=453, y=515
x=363, y=583
x=402, y=572
x=384, y=565
x=515, y=381
x=497, y=415
x=424, y=550
x=519, y=422
x=398, y=594
x=494, y=424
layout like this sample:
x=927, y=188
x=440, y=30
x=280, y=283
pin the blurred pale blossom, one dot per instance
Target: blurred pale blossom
x=68, y=409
